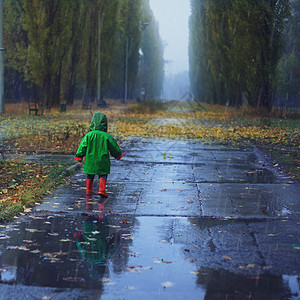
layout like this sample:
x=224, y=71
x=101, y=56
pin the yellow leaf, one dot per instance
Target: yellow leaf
x=227, y=257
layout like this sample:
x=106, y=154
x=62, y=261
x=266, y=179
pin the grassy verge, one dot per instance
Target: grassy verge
x=288, y=158
x=23, y=185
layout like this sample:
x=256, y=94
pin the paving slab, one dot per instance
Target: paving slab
x=182, y=219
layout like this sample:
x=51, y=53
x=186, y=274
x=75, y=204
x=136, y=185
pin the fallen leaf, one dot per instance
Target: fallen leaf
x=35, y=251
x=167, y=284
x=247, y=267
x=254, y=277
x=53, y=233
x=17, y=248
x=106, y=281
x=114, y=226
x=227, y=257
x=32, y=230
x=95, y=232
x=135, y=269
x=195, y=272
x=129, y=287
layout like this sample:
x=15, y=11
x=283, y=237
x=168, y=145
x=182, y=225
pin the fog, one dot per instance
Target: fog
x=172, y=16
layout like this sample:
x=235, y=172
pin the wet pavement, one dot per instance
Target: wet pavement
x=183, y=219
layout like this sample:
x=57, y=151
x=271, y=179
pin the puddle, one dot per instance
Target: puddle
x=294, y=285
x=260, y=176
x=61, y=251
x=134, y=257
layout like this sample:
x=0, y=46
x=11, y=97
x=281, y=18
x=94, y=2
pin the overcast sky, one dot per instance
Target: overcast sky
x=172, y=16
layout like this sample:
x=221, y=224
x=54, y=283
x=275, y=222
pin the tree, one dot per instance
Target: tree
x=52, y=47
x=197, y=46
x=16, y=43
x=128, y=38
x=288, y=71
x=47, y=24
x=71, y=59
x=109, y=12
x=235, y=47
x=151, y=60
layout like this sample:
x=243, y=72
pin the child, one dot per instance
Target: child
x=95, y=147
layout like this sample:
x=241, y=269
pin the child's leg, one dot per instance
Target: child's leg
x=102, y=185
x=89, y=184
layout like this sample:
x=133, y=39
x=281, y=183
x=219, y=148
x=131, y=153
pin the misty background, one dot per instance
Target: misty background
x=173, y=17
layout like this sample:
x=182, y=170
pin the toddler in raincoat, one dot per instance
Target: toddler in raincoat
x=96, y=147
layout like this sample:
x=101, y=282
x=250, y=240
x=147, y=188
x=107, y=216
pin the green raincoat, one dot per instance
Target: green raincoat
x=96, y=147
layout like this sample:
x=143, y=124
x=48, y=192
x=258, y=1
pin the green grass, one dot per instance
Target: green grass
x=283, y=123
x=25, y=184
x=287, y=158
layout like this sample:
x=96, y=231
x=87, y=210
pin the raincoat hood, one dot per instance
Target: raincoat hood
x=99, y=122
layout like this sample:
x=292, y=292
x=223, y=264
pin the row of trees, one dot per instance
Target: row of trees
x=288, y=92
x=51, y=49
x=236, y=47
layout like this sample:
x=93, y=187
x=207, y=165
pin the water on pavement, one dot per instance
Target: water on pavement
x=182, y=220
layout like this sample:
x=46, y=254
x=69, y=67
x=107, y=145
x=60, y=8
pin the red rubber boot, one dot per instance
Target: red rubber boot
x=89, y=186
x=102, y=185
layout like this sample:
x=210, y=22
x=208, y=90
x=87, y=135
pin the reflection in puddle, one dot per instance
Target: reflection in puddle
x=96, y=244
x=294, y=285
x=131, y=257
x=218, y=283
x=62, y=250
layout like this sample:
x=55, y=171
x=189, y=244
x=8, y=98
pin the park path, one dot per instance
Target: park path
x=183, y=219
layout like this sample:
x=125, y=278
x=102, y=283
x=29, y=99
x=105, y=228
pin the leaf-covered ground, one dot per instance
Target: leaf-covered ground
x=56, y=131
x=63, y=131
x=24, y=184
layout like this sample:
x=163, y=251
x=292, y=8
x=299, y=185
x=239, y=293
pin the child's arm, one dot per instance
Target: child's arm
x=81, y=151
x=114, y=148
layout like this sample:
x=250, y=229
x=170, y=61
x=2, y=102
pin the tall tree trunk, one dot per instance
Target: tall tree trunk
x=46, y=89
